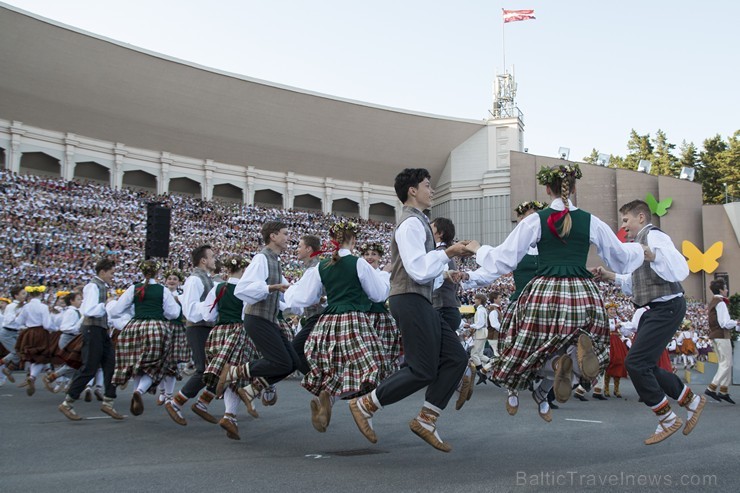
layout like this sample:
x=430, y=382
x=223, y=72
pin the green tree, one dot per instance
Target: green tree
x=709, y=170
x=689, y=155
x=664, y=163
x=639, y=147
x=592, y=158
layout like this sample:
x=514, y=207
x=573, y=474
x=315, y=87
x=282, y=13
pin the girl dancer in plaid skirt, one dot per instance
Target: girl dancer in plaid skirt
x=561, y=306
x=142, y=346
x=344, y=352
x=225, y=342
x=180, y=349
x=382, y=321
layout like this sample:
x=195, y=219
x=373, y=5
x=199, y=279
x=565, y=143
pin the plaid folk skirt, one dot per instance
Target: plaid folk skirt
x=286, y=329
x=33, y=345
x=548, y=317
x=390, y=338
x=225, y=344
x=181, y=352
x=143, y=348
x=71, y=354
x=344, y=355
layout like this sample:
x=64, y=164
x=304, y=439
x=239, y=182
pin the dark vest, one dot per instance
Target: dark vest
x=269, y=307
x=524, y=272
x=401, y=282
x=567, y=257
x=343, y=288
x=102, y=296
x=151, y=307
x=230, y=307
x=715, y=331
x=646, y=284
x=207, y=286
x=445, y=296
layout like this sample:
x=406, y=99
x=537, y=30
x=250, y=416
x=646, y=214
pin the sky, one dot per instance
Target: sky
x=587, y=72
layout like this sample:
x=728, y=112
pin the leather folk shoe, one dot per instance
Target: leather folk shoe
x=587, y=359
x=203, y=413
x=315, y=422
x=137, y=404
x=694, y=419
x=325, y=408
x=228, y=423
x=364, y=417
x=562, y=385
x=175, y=414
x=430, y=436
x=664, y=432
x=69, y=412
x=107, y=408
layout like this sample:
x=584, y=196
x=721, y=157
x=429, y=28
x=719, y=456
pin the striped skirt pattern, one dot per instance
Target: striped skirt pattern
x=548, y=317
x=33, y=345
x=344, y=355
x=181, y=352
x=225, y=345
x=390, y=338
x=143, y=347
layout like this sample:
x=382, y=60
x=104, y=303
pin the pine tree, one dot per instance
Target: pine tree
x=592, y=158
x=708, y=171
x=639, y=147
x=664, y=163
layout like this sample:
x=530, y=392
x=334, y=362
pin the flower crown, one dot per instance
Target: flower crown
x=149, y=265
x=236, y=263
x=35, y=289
x=342, y=226
x=174, y=272
x=611, y=304
x=374, y=246
x=686, y=323
x=546, y=175
x=535, y=205
x=62, y=294
x=120, y=291
x=6, y=300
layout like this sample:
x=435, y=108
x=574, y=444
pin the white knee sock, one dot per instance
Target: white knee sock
x=36, y=369
x=169, y=385
x=99, y=378
x=231, y=401
x=144, y=383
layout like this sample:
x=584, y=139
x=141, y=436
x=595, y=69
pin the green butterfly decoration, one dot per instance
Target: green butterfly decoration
x=658, y=208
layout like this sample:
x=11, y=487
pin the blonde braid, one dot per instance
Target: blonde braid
x=564, y=194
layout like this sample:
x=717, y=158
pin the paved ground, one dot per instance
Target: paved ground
x=589, y=446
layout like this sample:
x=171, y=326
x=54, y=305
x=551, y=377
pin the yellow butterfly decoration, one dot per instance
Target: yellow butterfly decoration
x=699, y=260
x=658, y=208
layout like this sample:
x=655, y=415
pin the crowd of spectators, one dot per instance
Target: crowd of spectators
x=53, y=231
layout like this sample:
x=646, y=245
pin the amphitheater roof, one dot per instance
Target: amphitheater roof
x=61, y=78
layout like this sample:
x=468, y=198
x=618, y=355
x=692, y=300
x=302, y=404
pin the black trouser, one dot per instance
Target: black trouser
x=197, y=335
x=279, y=359
x=299, y=342
x=97, y=352
x=655, y=330
x=451, y=315
x=432, y=351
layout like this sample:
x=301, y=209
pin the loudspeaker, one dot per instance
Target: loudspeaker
x=157, y=231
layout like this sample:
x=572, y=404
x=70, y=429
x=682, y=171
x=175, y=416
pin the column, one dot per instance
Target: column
x=68, y=161
x=207, y=187
x=13, y=154
x=116, y=176
x=326, y=203
x=163, y=180
x=289, y=193
x=248, y=190
x=365, y=200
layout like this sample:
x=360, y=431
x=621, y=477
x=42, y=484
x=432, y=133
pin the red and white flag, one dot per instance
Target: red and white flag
x=518, y=15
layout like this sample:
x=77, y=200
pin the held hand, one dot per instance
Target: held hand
x=649, y=254
x=473, y=247
x=459, y=249
x=388, y=267
x=277, y=287
x=603, y=274
x=453, y=275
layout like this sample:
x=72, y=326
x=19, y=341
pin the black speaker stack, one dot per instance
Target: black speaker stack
x=157, y=231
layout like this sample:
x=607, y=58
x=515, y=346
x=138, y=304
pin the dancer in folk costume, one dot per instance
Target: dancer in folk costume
x=33, y=342
x=721, y=327
x=225, y=343
x=345, y=354
x=657, y=284
x=447, y=304
x=179, y=349
x=97, y=349
x=260, y=288
x=617, y=351
x=525, y=271
x=687, y=344
x=196, y=288
x=142, y=350
x=380, y=318
x=70, y=342
x=434, y=357
x=559, y=323
x=10, y=331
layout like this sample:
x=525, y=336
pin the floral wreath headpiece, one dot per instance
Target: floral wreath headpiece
x=535, y=205
x=344, y=225
x=120, y=291
x=35, y=289
x=6, y=300
x=174, y=272
x=236, y=263
x=686, y=323
x=62, y=294
x=546, y=175
x=372, y=246
x=149, y=265
x=611, y=304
